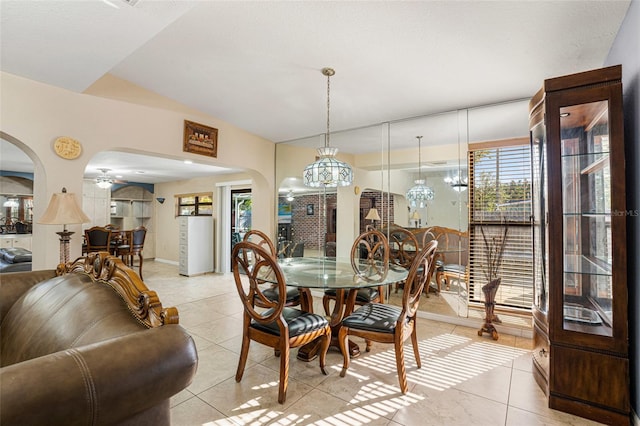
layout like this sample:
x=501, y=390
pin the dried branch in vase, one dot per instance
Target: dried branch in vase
x=494, y=249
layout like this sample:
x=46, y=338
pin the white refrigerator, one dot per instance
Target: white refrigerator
x=196, y=245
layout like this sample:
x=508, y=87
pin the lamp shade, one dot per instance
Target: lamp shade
x=415, y=215
x=373, y=214
x=63, y=209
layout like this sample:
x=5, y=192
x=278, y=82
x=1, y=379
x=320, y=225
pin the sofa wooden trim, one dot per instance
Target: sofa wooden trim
x=142, y=302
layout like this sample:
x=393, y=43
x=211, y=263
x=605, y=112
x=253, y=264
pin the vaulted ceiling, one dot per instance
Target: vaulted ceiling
x=257, y=64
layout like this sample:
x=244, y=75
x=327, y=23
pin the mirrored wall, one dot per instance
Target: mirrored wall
x=387, y=160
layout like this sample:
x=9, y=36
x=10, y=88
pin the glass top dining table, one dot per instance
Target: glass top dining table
x=346, y=278
x=338, y=273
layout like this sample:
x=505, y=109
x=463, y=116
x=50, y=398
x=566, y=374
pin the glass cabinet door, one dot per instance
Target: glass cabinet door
x=586, y=209
x=540, y=217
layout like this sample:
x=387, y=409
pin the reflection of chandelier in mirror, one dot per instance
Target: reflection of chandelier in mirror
x=419, y=193
x=104, y=181
x=11, y=202
x=457, y=183
x=327, y=171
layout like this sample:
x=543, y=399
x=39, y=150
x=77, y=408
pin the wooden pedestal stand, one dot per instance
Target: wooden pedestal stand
x=490, y=317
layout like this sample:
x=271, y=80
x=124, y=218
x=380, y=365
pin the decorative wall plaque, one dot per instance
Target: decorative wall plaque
x=200, y=139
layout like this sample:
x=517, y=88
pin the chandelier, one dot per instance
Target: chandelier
x=419, y=193
x=104, y=181
x=458, y=183
x=327, y=170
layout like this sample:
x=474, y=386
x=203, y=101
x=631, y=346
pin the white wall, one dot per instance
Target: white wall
x=33, y=115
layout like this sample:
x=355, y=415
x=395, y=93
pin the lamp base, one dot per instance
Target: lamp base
x=65, y=238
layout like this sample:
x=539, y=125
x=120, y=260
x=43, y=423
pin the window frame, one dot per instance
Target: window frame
x=197, y=205
x=516, y=270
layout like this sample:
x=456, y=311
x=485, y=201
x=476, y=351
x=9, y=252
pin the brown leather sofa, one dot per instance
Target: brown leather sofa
x=89, y=344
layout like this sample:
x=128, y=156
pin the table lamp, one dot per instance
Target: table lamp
x=415, y=217
x=63, y=209
x=373, y=216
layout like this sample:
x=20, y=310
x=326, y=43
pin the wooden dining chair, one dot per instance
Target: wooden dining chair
x=295, y=296
x=133, y=246
x=386, y=323
x=369, y=250
x=279, y=327
x=97, y=238
x=403, y=248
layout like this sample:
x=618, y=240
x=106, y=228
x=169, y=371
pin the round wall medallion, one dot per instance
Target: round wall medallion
x=67, y=148
x=356, y=189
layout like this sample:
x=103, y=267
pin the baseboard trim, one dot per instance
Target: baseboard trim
x=169, y=262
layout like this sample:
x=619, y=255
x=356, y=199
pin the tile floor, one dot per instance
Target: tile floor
x=464, y=380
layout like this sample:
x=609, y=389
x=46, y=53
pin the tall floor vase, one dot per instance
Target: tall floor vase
x=490, y=289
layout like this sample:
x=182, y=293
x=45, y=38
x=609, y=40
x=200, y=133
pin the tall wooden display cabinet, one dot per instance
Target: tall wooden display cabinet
x=581, y=357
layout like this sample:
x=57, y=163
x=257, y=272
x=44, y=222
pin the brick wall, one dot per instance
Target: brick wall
x=311, y=228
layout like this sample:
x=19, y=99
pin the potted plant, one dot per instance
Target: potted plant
x=494, y=250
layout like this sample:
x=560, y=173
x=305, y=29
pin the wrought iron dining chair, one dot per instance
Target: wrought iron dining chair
x=295, y=296
x=97, y=238
x=133, y=245
x=369, y=250
x=385, y=323
x=279, y=327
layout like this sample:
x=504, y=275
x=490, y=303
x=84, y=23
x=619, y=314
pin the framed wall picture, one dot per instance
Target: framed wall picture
x=309, y=209
x=200, y=139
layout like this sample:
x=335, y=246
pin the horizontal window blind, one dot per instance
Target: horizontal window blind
x=500, y=198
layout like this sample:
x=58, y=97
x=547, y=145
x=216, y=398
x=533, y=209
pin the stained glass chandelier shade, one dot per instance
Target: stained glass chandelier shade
x=327, y=170
x=419, y=193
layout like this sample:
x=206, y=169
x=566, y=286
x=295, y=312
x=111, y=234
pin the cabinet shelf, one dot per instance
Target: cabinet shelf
x=590, y=265
x=596, y=166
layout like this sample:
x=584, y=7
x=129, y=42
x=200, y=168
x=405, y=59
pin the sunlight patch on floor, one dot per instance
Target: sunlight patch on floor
x=375, y=400
x=442, y=369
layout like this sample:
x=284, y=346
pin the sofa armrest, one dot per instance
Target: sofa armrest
x=101, y=383
x=15, y=284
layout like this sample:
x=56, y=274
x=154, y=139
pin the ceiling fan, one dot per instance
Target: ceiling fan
x=105, y=181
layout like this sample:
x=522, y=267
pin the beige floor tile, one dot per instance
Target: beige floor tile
x=321, y=408
x=465, y=379
x=219, y=330
x=452, y=407
x=518, y=417
x=255, y=398
x=526, y=394
x=215, y=365
x=196, y=412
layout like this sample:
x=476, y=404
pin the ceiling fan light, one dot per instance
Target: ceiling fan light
x=104, y=183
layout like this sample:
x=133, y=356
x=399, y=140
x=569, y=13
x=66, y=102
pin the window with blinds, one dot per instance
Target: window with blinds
x=500, y=196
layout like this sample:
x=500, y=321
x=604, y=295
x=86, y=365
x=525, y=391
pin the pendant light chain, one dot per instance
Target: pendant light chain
x=328, y=72
x=419, y=157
